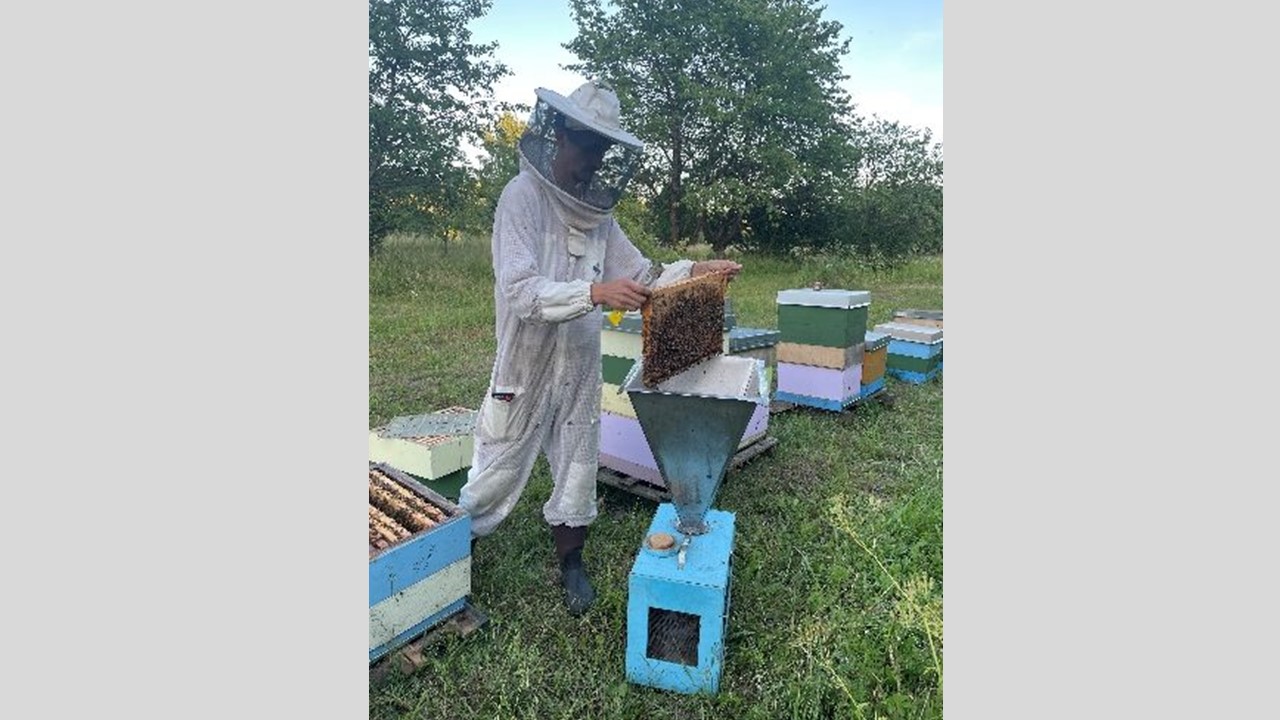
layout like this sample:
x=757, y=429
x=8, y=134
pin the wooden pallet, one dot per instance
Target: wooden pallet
x=410, y=657
x=657, y=493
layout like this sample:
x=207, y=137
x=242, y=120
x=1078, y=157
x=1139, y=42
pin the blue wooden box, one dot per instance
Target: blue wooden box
x=677, y=617
x=421, y=580
x=871, y=388
x=817, y=402
x=915, y=378
x=907, y=348
x=915, y=351
x=925, y=358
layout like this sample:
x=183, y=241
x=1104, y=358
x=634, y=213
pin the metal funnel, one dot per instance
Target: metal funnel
x=693, y=423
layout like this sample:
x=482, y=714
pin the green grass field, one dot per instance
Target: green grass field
x=836, y=607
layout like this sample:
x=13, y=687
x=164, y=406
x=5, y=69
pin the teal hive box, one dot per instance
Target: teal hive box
x=742, y=339
x=677, y=616
x=422, y=580
x=915, y=352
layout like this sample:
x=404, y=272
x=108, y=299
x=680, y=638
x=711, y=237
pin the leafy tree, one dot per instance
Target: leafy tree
x=500, y=163
x=429, y=90
x=897, y=209
x=740, y=99
x=895, y=154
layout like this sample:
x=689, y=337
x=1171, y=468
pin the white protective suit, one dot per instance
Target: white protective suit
x=548, y=247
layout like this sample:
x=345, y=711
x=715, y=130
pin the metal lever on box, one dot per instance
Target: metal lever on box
x=684, y=546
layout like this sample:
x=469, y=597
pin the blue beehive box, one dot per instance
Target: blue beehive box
x=677, y=616
x=422, y=580
x=915, y=352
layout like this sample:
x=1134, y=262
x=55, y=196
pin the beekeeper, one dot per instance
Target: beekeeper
x=558, y=257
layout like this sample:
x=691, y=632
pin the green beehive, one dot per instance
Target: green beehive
x=830, y=318
x=923, y=366
x=614, y=369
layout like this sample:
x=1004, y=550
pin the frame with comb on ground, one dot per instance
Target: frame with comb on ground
x=683, y=325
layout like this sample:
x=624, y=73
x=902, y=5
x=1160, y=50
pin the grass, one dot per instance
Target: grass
x=836, y=607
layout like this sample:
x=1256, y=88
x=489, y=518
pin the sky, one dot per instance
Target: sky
x=894, y=61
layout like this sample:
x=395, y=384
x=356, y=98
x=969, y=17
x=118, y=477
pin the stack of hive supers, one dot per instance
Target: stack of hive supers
x=434, y=448
x=915, y=350
x=623, y=447
x=419, y=559
x=820, y=355
x=928, y=318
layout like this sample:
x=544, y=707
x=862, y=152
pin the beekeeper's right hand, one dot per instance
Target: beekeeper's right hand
x=624, y=294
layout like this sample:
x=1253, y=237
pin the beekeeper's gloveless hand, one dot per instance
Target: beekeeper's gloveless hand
x=623, y=293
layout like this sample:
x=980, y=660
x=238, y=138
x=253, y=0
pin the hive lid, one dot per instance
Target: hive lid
x=875, y=340
x=840, y=299
x=913, y=314
x=451, y=421
x=912, y=333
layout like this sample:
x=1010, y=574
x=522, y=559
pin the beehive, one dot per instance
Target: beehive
x=830, y=318
x=925, y=318
x=915, y=351
x=820, y=355
x=435, y=448
x=623, y=446
x=419, y=559
x=683, y=325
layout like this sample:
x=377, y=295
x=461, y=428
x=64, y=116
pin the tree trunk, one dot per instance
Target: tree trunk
x=677, y=168
x=728, y=233
x=735, y=234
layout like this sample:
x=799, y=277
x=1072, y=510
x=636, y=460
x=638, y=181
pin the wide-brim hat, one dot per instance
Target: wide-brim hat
x=593, y=107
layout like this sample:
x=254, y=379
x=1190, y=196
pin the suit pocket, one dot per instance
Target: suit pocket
x=497, y=415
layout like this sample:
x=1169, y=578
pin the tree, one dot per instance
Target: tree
x=740, y=100
x=500, y=163
x=897, y=207
x=429, y=91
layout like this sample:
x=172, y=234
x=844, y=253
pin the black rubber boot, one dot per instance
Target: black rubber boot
x=579, y=595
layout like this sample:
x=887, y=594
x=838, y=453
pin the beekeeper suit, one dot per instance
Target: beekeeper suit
x=558, y=255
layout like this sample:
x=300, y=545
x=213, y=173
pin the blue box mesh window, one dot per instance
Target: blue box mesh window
x=673, y=636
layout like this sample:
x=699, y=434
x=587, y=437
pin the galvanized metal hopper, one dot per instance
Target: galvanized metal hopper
x=693, y=423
